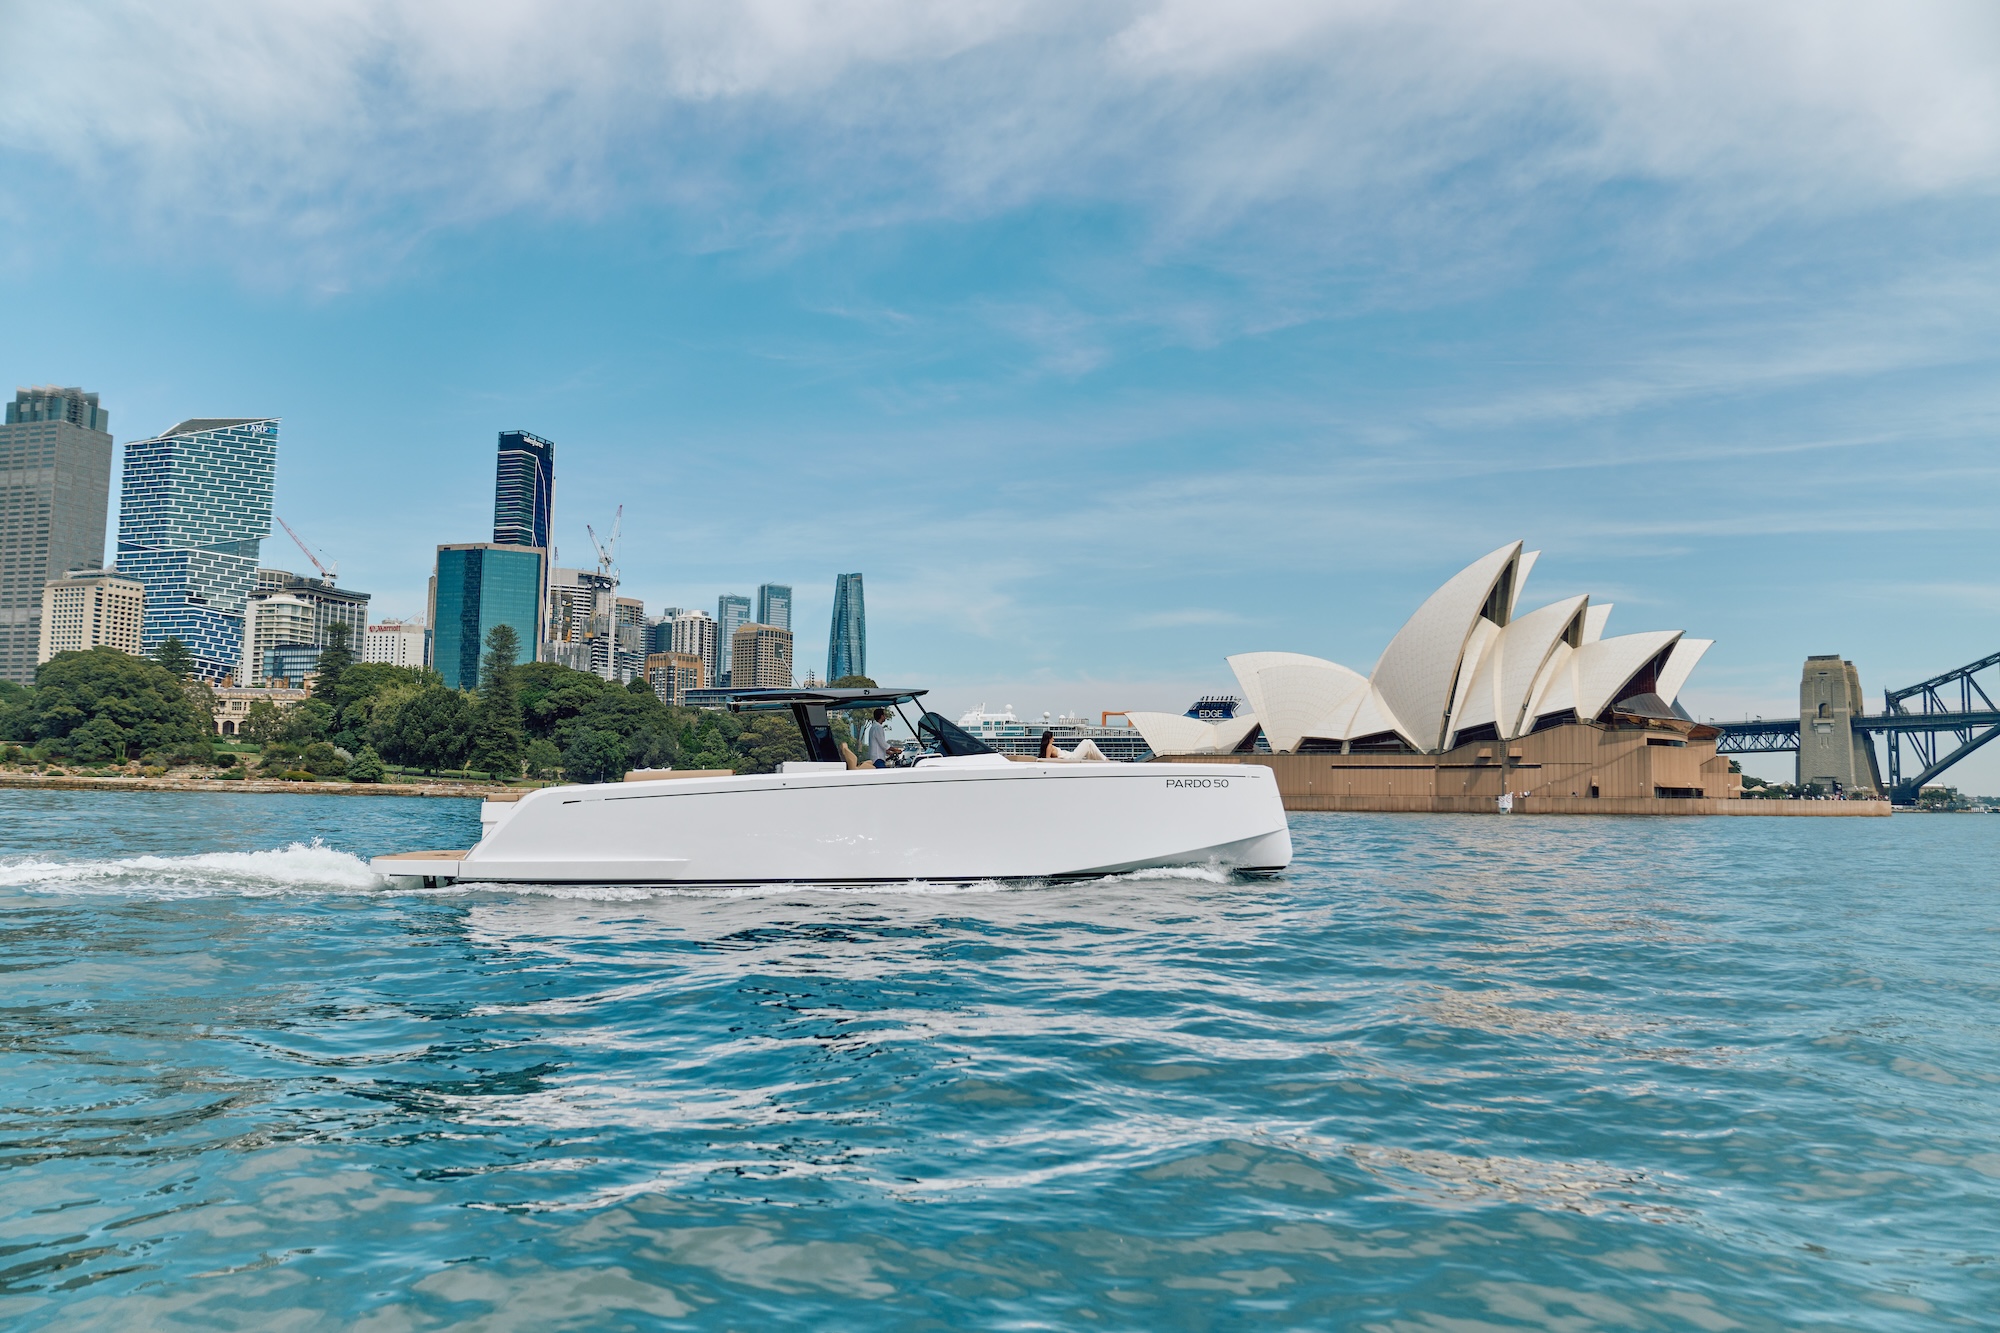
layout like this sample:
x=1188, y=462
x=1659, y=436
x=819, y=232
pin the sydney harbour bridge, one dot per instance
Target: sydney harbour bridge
x=1927, y=727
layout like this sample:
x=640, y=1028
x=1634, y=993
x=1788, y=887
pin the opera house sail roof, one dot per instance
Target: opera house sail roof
x=1464, y=668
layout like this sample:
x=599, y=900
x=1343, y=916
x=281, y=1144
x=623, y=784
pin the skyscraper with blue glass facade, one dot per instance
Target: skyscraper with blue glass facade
x=774, y=604
x=732, y=612
x=847, y=646
x=477, y=586
x=524, y=490
x=194, y=508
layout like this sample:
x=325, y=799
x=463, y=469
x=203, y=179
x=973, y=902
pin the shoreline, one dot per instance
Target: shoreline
x=264, y=787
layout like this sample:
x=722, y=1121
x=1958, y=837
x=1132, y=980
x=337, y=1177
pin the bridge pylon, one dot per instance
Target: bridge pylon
x=1832, y=755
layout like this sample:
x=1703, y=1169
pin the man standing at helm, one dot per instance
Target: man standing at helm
x=875, y=740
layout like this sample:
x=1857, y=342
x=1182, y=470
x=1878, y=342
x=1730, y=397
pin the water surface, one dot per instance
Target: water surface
x=1449, y=1073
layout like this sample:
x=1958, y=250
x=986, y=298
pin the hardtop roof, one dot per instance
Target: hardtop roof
x=741, y=701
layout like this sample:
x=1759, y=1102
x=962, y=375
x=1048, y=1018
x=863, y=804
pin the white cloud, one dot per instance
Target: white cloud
x=321, y=122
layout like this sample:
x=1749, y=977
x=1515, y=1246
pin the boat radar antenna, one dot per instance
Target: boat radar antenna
x=607, y=552
x=331, y=573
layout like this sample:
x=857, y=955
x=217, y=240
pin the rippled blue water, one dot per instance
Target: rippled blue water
x=1449, y=1073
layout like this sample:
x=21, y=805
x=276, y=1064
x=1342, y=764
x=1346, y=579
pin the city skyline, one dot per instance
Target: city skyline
x=1099, y=395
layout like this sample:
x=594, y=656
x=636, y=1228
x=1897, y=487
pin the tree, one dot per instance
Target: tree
x=175, y=657
x=639, y=685
x=262, y=723
x=144, y=702
x=496, y=740
x=367, y=766
x=553, y=697
x=543, y=758
x=851, y=683
x=334, y=660
x=361, y=692
x=304, y=722
x=322, y=760
x=429, y=730
x=97, y=740
x=595, y=756
x=16, y=712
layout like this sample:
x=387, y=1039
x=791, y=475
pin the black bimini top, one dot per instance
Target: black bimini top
x=783, y=700
x=932, y=734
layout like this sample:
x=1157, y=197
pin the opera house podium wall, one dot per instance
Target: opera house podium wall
x=1573, y=769
x=1474, y=708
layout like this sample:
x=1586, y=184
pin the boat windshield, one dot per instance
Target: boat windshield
x=947, y=738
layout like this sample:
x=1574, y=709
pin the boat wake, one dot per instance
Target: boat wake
x=313, y=867
x=299, y=868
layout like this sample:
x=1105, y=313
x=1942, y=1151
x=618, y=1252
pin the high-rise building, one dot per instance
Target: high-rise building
x=672, y=675
x=194, y=507
x=477, y=586
x=273, y=621
x=397, y=642
x=847, y=646
x=732, y=612
x=760, y=658
x=524, y=490
x=331, y=605
x=660, y=630
x=629, y=636
x=55, y=490
x=86, y=610
x=580, y=630
x=694, y=632
x=774, y=605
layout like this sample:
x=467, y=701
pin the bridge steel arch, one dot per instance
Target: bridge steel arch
x=1973, y=722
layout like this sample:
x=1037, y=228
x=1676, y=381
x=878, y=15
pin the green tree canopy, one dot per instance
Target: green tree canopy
x=851, y=683
x=430, y=729
x=141, y=701
x=496, y=741
x=595, y=756
x=175, y=657
x=334, y=660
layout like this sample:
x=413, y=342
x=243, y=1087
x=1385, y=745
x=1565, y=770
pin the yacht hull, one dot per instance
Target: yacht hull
x=954, y=821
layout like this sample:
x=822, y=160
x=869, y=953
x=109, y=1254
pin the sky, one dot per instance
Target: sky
x=1106, y=341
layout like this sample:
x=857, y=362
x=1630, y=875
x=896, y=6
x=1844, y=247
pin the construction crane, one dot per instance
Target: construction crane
x=607, y=552
x=329, y=573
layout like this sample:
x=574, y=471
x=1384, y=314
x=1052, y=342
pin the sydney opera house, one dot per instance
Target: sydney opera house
x=1476, y=705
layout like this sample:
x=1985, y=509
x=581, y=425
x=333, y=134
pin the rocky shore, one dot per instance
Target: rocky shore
x=262, y=786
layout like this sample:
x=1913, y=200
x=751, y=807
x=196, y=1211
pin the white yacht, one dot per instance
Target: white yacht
x=951, y=810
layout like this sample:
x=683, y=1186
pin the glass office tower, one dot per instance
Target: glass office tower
x=847, y=646
x=194, y=509
x=524, y=490
x=55, y=490
x=732, y=613
x=477, y=586
x=774, y=605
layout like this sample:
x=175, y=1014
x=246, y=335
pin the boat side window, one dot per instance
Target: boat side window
x=947, y=738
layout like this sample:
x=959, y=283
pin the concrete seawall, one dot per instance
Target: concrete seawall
x=1583, y=805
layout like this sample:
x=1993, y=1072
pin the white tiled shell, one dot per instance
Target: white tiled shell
x=1593, y=677
x=1414, y=680
x=1294, y=695
x=1173, y=733
x=1680, y=664
x=1511, y=666
x=1593, y=621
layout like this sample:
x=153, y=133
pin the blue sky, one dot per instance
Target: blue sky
x=1106, y=343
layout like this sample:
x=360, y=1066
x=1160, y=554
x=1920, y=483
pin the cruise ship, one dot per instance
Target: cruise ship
x=1010, y=735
